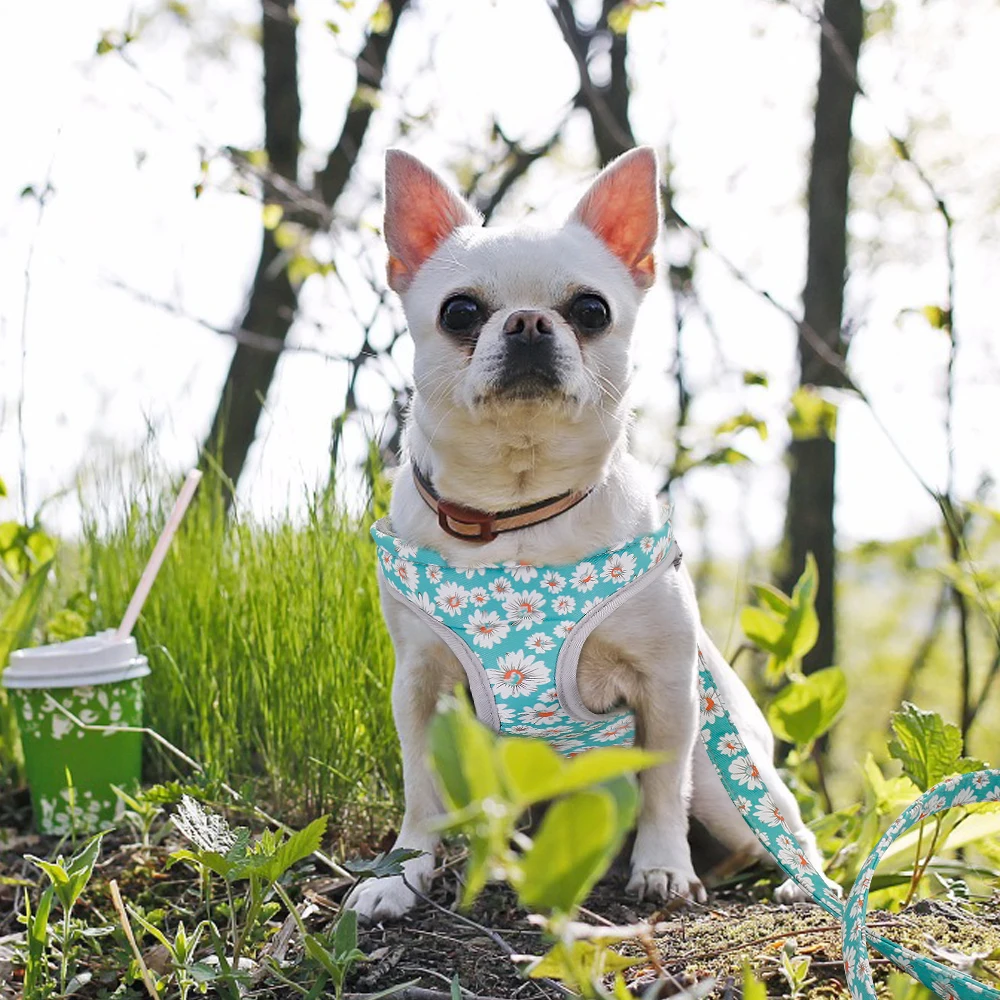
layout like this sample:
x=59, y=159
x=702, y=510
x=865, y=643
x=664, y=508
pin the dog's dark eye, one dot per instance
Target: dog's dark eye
x=460, y=314
x=590, y=313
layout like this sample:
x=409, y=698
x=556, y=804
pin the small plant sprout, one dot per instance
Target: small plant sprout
x=67, y=880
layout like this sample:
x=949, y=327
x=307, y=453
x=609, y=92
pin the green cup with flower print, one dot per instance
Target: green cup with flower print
x=98, y=680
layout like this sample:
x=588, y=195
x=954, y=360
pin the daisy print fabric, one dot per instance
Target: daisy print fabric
x=515, y=618
x=746, y=787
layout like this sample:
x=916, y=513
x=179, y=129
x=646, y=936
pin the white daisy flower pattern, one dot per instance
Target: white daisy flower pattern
x=540, y=642
x=564, y=605
x=521, y=571
x=406, y=550
x=552, y=582
x=584, y=577
x=486, y=628
x=479, y=596
x=744, y=772
x=406, y=573
x=434, y=574
x=524, y=609
x=589, y=606
x=768, y=812
x=563, y=629
x=424, y=603
x=516, y=675
x=619, y=568
x=501, y=588
x=542, y=713
x=451, y=598
x=730, y=744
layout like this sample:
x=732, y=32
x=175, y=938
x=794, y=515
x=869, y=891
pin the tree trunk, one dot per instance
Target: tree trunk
x=273, y=299
x=271, y=308
x=812, y=462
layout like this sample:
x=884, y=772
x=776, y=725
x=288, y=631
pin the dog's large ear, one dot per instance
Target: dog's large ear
x=622, y=208
x=421, y=210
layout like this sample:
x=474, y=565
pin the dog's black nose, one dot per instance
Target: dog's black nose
x=528, y=326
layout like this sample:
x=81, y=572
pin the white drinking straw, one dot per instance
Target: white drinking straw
x=159, y=554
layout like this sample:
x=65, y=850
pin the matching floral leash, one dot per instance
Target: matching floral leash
x=742, y=780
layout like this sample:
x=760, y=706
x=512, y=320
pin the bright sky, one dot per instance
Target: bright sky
x=728, y=84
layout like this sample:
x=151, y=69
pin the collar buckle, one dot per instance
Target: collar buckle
x=449, y=512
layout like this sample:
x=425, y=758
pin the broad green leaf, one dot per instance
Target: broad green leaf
x=761, y=629
x=462, y=756
x=570, y=852
x=532, y=771
x=929, y=748
x=298, y=846
x=805, y=709
x=772, y=598
x=604, y=764
x=18, y=620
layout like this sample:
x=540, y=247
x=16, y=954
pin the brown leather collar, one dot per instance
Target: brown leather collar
x=481, y=526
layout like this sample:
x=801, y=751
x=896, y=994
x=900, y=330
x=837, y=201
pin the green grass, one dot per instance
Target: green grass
x=270, y=660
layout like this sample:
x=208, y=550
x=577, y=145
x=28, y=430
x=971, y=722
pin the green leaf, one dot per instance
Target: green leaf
x=298, y=846
x=929, y=748
x=811, y=415
x=938, y=318
x=3, y=487
x=345, y=935
x=743, y=421
x=461, y=750
x=753, y=988
x=381, y=20
x=762, y=629
x=805, y=709
x=787, y=627
x=69, y=878
x=570, y=852
x=772, y=597
x=382, y=865
x=18, y=620
x=755, y=378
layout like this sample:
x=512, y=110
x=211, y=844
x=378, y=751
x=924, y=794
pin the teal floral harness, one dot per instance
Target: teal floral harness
x=518, y=628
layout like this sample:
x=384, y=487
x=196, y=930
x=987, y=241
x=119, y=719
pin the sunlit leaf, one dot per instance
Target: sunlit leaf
x=806, y=708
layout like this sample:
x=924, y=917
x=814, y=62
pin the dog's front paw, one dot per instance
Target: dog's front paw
x=791, y=892
x=665, y=884
x=380, y=899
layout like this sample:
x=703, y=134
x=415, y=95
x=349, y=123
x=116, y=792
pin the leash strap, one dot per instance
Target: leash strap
x=745, y=786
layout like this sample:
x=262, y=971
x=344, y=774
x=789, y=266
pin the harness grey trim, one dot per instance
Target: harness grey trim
x=479, y=685
x=568, y=660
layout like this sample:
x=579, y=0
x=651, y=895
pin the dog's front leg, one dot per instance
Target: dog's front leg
x=415, y=689
x=667, y=718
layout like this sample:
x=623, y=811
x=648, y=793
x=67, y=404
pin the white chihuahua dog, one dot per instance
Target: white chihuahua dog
x=515, y=453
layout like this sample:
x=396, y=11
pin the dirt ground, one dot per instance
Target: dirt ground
x=435, y=942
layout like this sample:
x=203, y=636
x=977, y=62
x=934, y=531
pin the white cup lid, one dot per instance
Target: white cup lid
x=94, y=659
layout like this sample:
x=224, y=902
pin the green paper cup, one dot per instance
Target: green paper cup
x=71, y=770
